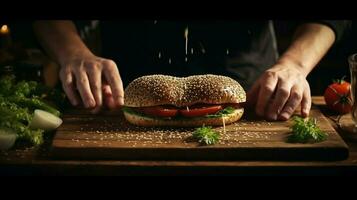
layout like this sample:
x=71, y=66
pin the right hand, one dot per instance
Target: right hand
x=95, y=78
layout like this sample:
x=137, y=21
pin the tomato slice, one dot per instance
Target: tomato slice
x=197, y=111
x=159, y=111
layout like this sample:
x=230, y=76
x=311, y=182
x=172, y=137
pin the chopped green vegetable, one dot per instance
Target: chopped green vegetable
x=27, y=135
x=306, y=130
x=24, y=88
x=206, y=135
x=11, y=111
x=16, y=118
x=6, y=84
x=17, y=104
x=34, y=103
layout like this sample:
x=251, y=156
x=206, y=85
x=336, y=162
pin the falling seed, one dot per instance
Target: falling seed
x=186, y=40
x=186, y=59
x=155, y=21
x=159, y=55
x=227, y=51
x=192, y=51
x=169, y=60
x=203, y=50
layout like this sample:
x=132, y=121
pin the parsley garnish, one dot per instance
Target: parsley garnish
x=206, y=135
x=306, y=130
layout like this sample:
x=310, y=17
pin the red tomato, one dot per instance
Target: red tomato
x=197, y=111
x=338, y=97
x=160, y=111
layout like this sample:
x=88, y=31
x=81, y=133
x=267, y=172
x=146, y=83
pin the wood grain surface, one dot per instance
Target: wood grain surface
x=109, y=136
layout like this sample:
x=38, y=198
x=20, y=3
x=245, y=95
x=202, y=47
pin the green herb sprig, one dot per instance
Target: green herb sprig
x=306, y=130
x=206, y=135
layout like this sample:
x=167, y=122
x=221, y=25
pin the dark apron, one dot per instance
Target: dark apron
x=241, y=50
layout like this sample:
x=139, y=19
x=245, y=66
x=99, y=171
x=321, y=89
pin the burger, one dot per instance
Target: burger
x=162, y=100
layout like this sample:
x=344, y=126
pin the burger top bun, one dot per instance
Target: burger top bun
x=156, y=90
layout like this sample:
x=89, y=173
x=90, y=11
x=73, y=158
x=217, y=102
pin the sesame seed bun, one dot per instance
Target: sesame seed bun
x=141, y=120
x=157, y=90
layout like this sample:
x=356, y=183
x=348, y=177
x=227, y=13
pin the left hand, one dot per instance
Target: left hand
x=279, y=91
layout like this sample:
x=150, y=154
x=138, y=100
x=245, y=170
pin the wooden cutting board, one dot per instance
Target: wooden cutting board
x=109, y=136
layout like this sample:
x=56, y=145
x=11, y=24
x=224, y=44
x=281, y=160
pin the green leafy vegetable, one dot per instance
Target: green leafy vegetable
x=6, y=84
x=226, y=111
x=11, y=111
x=34, y=103
x=17, y=104
x=306, y=130
x=17, y=119
x=206, y=135
x=24, y=88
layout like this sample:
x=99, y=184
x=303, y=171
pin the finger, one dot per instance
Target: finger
x=108, y=97
x=281, y=97
x=112, y=76
x=68, y=86
x=84, y=88
x=252, y=95
x=95, y=76
x=265, y=93
x=306, y=101
x=95, y=110
x=293, y=102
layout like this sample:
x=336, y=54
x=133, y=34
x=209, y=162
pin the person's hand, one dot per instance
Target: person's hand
x=92, y=80
x=279, y=92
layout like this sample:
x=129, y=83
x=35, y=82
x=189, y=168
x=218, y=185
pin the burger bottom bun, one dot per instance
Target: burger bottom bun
x=187, y=122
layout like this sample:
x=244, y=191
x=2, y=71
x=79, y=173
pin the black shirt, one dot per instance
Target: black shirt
x=242, y=50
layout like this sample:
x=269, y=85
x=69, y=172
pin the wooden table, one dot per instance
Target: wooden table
x=38, y=162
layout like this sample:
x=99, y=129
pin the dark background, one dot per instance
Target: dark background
x=333, y=65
